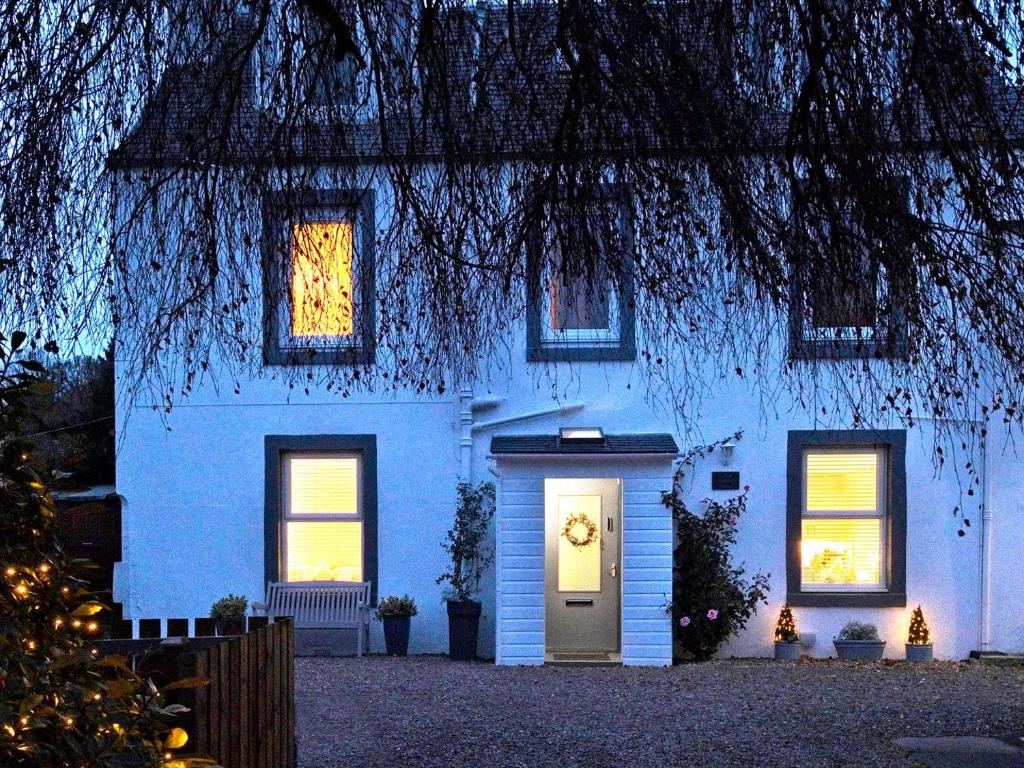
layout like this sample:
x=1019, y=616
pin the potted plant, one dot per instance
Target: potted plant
x=395, y=613
x=859, y=642
x=787, y=639
x=919, y=642
x=468, y=547
x=229, y=613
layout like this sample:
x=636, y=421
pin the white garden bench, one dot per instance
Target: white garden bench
x=320, y=605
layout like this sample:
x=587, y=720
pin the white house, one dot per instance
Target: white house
x=228, y=491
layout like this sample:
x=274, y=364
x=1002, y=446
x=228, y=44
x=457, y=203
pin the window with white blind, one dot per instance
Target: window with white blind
x=842, y=541
x=846, y=518
x=322, y=536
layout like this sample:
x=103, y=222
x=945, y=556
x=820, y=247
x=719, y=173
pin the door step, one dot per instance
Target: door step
x=582, y=659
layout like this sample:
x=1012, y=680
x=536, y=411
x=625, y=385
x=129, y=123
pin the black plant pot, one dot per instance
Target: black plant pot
x=396, y=635
x=463, y=628
x=231, y=626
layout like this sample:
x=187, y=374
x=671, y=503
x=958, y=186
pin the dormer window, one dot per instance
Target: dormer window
x=319, y=267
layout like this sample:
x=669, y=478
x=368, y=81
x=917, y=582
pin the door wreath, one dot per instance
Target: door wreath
x=589, y=527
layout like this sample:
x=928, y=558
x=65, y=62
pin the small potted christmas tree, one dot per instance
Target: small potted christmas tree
x=787, y=639
x=919, y=641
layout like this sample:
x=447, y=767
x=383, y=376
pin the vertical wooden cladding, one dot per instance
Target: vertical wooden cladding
x=245, y=717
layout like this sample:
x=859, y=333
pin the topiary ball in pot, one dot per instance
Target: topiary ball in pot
x=229, y=613
x=396, y=614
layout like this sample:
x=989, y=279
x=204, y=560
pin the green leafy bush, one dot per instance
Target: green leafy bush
x=394, y=607
x=230, y=607
x=855, y=630
x=60, y=703
x=467, y=541
x=711, y=598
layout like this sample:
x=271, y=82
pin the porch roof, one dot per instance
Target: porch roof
x=635, y=443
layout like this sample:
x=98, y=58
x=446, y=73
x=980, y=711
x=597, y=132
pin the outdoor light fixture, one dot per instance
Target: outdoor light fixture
x=727, y=448
x=581, y=435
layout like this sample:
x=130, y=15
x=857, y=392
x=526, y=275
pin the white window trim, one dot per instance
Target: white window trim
x=591, y=337
x=337, y=517
x=828, y=333
x=881, y=513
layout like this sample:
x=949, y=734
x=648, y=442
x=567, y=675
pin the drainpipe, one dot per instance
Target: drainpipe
x=467, y=426
x=561, y=410
x=986, y=546
x=467, y=407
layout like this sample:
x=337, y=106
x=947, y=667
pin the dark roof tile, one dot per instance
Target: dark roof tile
x=636, y=443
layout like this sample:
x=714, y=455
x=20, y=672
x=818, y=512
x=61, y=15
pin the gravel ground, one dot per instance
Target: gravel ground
x=428, y=711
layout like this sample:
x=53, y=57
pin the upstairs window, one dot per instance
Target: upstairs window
x=846, y=307
x=581, y=303
x=320, y=272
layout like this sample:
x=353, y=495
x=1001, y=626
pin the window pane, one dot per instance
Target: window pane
x=839, y=481
x=841, y=551
x=323, y=485
x=321, y=284
x=579, y=568
x=324, y=551
x=575, y=305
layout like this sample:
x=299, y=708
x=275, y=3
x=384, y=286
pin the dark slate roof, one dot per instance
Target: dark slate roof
x=637, y=443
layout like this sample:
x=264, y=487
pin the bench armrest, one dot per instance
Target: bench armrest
x=262, y=607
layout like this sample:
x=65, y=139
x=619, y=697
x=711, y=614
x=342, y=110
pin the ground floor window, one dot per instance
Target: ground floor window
x=846, y=521
x=321, y=513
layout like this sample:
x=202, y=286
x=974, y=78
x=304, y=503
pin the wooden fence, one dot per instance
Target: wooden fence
x=245, y=717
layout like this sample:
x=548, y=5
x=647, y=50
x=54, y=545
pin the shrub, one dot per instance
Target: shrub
x=60, y=704
x=393, y=607
x=230, y=607
x=855, y=630
x=466, y=543
x=711, y=599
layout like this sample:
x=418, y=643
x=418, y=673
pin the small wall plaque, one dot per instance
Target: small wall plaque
x=725, y=481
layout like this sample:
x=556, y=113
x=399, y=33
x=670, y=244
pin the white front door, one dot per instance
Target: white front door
x=582, y=566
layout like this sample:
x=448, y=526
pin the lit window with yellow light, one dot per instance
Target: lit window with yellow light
x=322, y=301
x=843, y=530
x=323, y=525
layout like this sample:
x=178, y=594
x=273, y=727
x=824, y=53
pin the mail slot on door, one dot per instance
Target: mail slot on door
x=577, y=601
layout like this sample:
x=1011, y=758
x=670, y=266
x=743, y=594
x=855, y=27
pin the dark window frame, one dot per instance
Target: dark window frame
x=888, y=341
x=895, y=442
x=278, y=208
x=537, y=350
x=274, y=449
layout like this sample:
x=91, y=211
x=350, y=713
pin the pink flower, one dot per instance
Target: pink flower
x=733, y=519
x=684, y=622
x=712, y=614
x=746, y=489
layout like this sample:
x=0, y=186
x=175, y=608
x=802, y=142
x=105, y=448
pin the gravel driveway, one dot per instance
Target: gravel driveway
x=428, y=711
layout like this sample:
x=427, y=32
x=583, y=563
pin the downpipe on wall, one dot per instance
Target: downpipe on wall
x=468, y=407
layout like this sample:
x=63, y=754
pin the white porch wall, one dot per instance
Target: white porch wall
x=646, y=555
